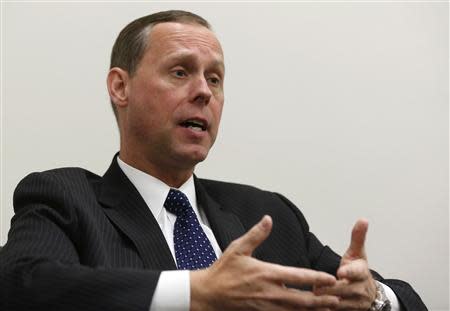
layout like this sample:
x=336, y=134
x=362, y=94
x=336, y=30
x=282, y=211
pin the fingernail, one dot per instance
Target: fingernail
x=266, y=222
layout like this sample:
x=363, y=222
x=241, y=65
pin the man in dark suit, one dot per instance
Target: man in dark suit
x=151, y=235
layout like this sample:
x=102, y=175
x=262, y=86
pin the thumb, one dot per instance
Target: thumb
x=247, y=243
x=356, y=249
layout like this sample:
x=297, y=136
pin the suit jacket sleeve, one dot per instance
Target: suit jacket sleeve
x=325, y=259
x=42, y=266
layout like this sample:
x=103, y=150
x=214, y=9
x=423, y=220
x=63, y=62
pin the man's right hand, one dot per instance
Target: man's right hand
x=237, y=281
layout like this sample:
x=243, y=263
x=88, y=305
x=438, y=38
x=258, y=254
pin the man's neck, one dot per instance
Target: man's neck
x=173, y=177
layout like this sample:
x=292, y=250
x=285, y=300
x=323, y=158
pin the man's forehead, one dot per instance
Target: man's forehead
x=170, y=34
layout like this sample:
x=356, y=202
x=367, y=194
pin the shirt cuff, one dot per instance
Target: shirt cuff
x=395, y=305
x=172, y=292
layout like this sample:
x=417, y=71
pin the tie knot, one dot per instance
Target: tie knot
x=177, y=202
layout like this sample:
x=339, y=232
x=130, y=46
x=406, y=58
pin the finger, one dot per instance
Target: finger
x=305, y=299
x=338, y=289
x=343, y=289
x=356, y=270
x=353, y=296
x=354, y=304
x=247, y=243
x=356, y=249
x=297, y=276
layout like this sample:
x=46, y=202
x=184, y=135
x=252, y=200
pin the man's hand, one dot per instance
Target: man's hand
x=237, y=281
x=355, y=285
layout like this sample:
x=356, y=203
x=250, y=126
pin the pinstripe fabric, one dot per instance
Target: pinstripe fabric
x=83, y=242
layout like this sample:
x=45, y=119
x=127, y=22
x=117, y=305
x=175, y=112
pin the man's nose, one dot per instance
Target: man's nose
x=202, y=92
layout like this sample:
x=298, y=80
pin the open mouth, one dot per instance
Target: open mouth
x=195, y=125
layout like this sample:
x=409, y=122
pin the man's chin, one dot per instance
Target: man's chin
x=198, y=157
x=192, y=156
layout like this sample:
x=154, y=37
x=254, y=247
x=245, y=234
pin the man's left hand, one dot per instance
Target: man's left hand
x=355, y=286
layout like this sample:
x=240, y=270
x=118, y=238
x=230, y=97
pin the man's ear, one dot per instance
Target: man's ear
x=117, y=82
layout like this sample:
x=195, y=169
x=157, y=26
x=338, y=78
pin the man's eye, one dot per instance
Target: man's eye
x=179, y=73
x=214, y=81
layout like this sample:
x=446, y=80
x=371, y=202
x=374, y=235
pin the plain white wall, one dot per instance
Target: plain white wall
x=342, y=107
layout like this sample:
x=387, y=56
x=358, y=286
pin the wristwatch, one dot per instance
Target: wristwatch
x=381, y=302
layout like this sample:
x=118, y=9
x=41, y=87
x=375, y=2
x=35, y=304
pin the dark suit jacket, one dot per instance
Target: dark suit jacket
x=83, y=242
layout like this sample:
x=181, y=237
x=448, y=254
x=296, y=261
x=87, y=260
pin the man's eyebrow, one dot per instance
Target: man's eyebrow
x=220, y=64
x=182, y=56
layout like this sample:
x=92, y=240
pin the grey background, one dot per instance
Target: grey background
x=341, y=106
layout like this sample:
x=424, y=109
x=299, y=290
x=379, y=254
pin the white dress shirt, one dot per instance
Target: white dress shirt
x=154, y=192
x=177, y=283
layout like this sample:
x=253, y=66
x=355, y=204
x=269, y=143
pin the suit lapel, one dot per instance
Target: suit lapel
x=125, y=207
x=225, y=225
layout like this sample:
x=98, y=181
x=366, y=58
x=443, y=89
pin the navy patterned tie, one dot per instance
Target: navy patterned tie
x=193, y=250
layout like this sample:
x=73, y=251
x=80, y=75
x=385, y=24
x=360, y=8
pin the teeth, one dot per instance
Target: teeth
x=194, y=125
x=195, y=128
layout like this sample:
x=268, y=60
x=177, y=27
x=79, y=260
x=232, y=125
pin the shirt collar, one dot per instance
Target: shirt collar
x=153, y=190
